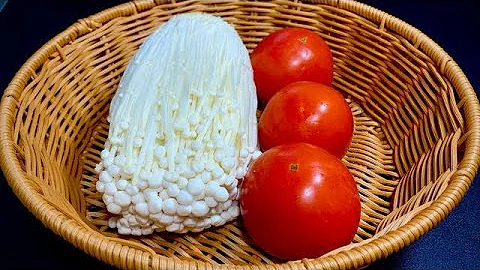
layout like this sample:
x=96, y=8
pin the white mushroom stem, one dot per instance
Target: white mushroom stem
x=182, y=129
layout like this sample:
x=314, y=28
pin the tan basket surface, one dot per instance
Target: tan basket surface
x=414, y=153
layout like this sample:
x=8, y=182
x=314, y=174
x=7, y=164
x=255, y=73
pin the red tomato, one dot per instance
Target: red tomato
x=289, y=55
x=298, y=201
x=307, y=112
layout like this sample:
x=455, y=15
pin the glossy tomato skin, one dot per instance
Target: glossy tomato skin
x=307, y=112
x=289, y=55
x=298, y=201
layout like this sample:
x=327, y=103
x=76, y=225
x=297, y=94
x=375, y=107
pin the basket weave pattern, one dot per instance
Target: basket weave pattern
x=414, y=152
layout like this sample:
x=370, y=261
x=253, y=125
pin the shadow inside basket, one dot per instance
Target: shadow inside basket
x=369, y=159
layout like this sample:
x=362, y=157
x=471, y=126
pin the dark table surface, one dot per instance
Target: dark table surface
x=26, y=25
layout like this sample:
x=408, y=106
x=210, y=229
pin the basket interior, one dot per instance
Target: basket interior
x=407, y=143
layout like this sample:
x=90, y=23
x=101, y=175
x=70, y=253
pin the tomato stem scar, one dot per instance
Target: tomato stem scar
x=303, y=40
x=293, y=166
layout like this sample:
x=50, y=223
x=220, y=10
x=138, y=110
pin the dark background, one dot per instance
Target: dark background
x=26, y=25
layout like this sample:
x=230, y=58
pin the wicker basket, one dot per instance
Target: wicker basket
x=414, y=152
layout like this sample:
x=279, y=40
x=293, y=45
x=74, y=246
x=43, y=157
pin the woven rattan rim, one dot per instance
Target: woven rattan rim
x=118, y=254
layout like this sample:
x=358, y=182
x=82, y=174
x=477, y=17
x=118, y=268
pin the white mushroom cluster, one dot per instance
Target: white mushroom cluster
x=183, y=130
